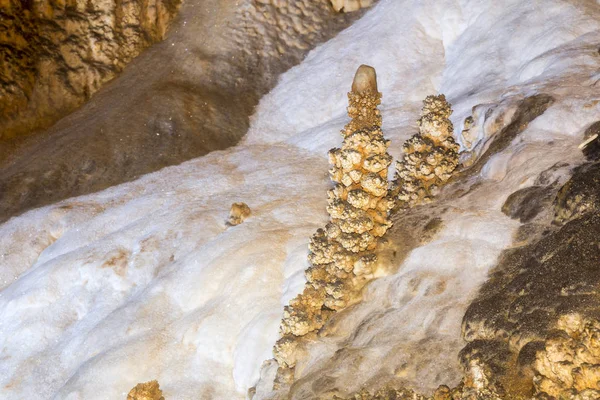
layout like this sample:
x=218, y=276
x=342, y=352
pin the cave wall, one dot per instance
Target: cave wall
x=57, y=53
x=187, y=95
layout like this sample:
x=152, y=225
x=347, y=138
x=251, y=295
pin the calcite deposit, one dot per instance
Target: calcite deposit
x=591, y=144
x=431, y=156
x=533, y=324
x=532, y=331
x=342, y=254
x=146, y=391
x=569, y=364
x=385, y=394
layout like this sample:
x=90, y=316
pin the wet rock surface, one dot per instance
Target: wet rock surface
x=184, y=97
x=526, y=204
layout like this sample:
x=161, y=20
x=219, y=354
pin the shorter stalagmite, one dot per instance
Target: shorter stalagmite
x=431, y=156
x=342, y=254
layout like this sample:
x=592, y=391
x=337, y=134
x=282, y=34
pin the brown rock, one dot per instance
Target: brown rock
x=238, y=213
x=146, y=391
x=533, y=323
x=57, y=54
x=365, y=80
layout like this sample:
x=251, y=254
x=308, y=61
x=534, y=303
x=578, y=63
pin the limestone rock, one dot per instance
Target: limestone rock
x=365, y=80
x=443, y=392
x=531, y=321
x=387, y=393
x=182, y=98
x=569, y=364
x=525, y=204
x=238, y=213
x=580, y=195
x=350, y=5
x=591, y=143
x=57, y=54
x=146, y=391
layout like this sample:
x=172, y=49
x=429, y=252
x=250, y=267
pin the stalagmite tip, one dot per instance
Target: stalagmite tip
x=365, y=80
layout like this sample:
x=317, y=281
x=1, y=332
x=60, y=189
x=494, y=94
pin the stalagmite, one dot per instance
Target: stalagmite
x=430, y=156
x=342, y=254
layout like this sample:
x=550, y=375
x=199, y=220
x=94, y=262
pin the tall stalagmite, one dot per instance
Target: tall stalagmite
x=342, y=254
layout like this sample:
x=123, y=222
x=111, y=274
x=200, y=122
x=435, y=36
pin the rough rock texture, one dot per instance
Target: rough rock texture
x=569, y=364
x=146, y=391
x=350, y=5
x=490, y=130
x=385, y=394
x=183, y=97
x=342, y=255
x=536, y=289
x=442, y=393
x=430, y=156
x=56, y=54
x=527, y=203
x=524, y=341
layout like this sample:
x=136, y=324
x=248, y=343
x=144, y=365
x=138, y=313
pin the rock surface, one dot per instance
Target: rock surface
x=430, y=156
x=182, y=98
x=146, y=280
x=56, y=54
x=533, y=290
x=238, y=213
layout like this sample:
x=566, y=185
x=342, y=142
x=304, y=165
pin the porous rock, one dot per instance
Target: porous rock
x=569, y=364
x=542, y=300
